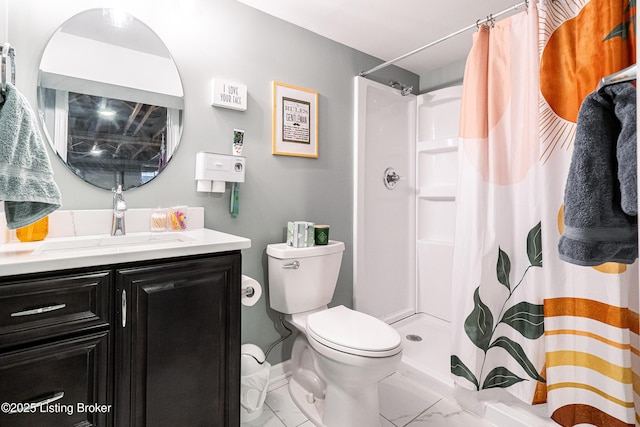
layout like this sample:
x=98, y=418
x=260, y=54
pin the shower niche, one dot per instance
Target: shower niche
x=436, y=181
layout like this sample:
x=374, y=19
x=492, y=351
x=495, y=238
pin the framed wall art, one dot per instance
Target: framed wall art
x=295, y=121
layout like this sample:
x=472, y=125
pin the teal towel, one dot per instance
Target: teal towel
x=26, y=178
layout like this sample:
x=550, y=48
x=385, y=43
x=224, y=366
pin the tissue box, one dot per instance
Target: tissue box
x=300, y=234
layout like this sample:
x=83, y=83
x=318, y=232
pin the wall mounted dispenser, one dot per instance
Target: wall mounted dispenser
x=214, y=170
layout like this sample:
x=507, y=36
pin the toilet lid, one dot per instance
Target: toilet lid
x=353, y=332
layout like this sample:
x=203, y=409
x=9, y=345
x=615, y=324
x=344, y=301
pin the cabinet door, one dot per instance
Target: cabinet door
x=178, y=343
x=62, y=384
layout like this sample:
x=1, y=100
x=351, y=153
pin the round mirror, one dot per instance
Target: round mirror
x=110, y=99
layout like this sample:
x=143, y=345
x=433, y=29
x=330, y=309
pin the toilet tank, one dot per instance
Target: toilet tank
x=303, y=279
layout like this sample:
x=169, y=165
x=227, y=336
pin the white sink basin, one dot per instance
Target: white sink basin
x=97, y=242
x=79, y=239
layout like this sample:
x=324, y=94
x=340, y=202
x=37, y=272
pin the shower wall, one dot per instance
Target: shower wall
x=403, y=238
x=384, y=220
x=438, y=118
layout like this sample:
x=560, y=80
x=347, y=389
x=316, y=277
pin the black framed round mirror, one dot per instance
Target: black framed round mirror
x=110, y=99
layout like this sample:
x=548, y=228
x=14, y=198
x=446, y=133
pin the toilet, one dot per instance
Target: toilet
x=339, y=354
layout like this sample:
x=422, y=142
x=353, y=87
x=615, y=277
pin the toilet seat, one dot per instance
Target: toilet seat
x=353, y=332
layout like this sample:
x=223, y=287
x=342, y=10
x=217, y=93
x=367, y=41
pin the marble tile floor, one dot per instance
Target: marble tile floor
x=403, y=402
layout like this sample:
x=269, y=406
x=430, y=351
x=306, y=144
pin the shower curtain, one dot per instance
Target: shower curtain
x=497, y=320
x=591, y=314
x=525, y=321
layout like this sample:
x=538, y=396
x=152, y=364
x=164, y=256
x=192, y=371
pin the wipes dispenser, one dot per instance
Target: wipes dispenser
x=254, y=381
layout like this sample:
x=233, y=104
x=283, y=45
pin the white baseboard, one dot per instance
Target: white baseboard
x=279, y=375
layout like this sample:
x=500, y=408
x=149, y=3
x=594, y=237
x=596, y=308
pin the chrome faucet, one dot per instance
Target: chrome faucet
x=119, y=207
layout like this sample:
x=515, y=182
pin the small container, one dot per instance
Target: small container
x=34, y=232
x=178, y=218
x=321, y=234
x=300, y=234
x=158, y=220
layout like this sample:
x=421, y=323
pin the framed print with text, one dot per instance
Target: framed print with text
x=295, y=121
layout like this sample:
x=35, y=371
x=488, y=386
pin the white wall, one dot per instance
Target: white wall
x=228, y=40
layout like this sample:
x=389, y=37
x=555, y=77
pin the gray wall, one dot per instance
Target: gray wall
x=449, y=75
x=226, y=39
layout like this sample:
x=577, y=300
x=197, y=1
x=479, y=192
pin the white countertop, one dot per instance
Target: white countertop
x=60, y=253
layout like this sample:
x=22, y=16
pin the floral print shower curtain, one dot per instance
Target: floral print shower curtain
x=498, y=256
x=590, y=313
x=526, y=322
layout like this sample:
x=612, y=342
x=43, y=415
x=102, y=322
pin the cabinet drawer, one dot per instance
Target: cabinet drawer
x=36, y=309
x=62, y=384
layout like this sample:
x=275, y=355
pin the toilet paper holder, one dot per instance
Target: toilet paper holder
x=248, y=291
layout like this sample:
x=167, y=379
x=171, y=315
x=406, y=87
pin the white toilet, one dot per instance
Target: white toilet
x=339, y=354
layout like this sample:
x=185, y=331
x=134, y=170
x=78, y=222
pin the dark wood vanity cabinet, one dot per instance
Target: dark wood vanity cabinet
x=152, y=343
x=178, y=343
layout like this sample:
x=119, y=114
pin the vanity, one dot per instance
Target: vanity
x=144, y=331
x=137, y=330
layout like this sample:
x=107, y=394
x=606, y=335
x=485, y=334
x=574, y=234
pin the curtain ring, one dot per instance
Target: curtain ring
x=491, y=22
x=526, y=6
x=478, y=24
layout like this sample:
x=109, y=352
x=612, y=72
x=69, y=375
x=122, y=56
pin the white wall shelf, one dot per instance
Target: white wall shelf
x=445, y=193
x=436, y=146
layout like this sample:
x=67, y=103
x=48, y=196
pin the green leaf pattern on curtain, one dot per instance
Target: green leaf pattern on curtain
x=479, y=324
x=503, y=268
x=524, y=317
x=461, y=370
x=622, y=29
x=500, y=377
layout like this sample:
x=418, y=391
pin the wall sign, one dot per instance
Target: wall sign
x=229, y=95
x=295, y=121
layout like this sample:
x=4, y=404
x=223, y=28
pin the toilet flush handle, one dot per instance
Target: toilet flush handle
x=293, y=266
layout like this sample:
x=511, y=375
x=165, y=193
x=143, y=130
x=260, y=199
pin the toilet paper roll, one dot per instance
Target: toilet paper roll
x=248, y=282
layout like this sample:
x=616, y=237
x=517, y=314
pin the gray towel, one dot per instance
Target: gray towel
x=26, y=178
x=600, y=201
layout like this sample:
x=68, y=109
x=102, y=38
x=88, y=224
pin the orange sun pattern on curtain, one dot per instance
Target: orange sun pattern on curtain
x=591, y=314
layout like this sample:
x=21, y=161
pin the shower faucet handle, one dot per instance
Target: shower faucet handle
x=390, y=178
x=393, y=177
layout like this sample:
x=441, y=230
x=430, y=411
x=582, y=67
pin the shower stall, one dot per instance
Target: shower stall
x=403, y=233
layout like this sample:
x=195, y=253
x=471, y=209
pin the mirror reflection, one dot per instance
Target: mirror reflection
x=110, y=99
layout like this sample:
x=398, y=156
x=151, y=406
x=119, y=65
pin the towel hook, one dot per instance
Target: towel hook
x=5, y=53
x=8, y=53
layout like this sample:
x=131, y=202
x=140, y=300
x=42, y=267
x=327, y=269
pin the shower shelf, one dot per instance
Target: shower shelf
x=435, y=146
x=447, y=193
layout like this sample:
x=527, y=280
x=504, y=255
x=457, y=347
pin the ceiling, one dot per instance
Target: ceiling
x=388, y=29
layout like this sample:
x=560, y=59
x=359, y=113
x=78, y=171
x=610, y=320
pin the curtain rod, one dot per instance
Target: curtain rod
x=490, y=18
